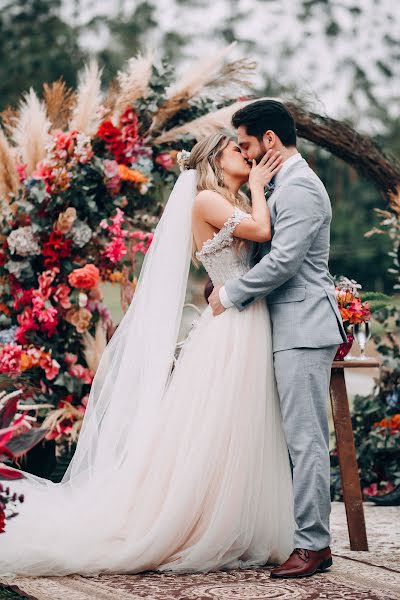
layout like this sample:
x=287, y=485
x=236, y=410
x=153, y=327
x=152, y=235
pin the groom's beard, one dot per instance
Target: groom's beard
x=263, y=151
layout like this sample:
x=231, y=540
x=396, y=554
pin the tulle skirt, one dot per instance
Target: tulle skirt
x=207, y=484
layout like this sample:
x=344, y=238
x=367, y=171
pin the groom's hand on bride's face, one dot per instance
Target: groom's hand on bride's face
x=215, y=302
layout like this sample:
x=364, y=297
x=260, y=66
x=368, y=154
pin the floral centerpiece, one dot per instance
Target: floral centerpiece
x=352, y=310
x=83, y=180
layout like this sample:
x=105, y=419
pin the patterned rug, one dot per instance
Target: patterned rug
x=373, y=575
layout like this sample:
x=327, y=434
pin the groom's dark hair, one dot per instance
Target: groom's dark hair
x=262, y=115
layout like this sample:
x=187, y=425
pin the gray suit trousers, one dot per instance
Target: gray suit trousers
x=303, y=376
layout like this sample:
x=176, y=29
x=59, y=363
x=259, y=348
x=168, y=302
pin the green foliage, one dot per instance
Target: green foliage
x=377, y=301
x=36, y=45
x=8, y=594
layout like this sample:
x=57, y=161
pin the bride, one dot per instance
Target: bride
x=182, y=469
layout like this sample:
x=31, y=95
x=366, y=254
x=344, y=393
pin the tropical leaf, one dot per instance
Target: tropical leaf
x=9, y=473
x=8, y=407
x=21, y=444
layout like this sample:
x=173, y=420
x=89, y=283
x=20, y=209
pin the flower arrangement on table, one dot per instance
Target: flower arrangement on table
x=83, y=181
x=352, y=309
x=375, y=417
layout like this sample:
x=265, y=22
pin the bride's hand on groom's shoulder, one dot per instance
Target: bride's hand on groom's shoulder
x=262, y=173
x=215, y=302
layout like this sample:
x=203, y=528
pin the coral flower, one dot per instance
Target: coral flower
x=85, y=278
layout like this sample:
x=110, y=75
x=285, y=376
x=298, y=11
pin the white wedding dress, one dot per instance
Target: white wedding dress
x=207, y=485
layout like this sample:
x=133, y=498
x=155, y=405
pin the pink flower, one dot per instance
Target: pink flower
x=165, y=160
x=115, y=250
x=84, y=400
x=61, y=295
x=46, y=279
x=50, y=366
x=111, y=172
x=10, y=358
x=70, y=358
x=80, y=372
x=21, y=170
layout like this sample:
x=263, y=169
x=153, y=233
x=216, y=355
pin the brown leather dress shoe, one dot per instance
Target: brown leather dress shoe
x=304, y=563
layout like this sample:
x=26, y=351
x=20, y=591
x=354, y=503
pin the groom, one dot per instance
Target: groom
x=294, y=277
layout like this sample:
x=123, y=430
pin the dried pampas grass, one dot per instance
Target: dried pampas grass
x=93, y=346
x=8, y=118
x=59, y=101
x=219, y=120
x=209, y=73
x=86, y=114
x=30, y=132
x=133, y=81
x=9, y=180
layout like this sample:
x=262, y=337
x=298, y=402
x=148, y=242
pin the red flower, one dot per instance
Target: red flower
x=2, y=521
x=55, y=248
x=26, y=323
x=22, y=298
x=108, y=132
x=124, y=142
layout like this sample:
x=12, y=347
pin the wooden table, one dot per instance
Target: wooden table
x=352, y=495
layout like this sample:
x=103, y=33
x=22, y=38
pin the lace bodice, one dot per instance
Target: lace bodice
x=218, y=255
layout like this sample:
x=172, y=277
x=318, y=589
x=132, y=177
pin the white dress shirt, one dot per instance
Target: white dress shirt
x=223, y=296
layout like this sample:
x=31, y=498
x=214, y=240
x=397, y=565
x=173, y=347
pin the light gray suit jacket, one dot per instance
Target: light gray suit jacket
x=293, y=270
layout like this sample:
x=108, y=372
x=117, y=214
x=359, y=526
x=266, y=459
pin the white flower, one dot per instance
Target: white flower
x=182, y=158
x=22, y=241
x=17, y=267
x=82, y=299
x=80, y=233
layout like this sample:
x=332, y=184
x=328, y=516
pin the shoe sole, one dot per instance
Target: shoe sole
x=326, y=564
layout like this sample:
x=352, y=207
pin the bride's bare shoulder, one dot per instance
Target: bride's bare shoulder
x=207, y=200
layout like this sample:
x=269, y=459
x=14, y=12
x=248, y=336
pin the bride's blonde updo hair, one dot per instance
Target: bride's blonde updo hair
x=205, y=158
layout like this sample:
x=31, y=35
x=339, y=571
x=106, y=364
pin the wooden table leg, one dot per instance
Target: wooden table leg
x=347, y=460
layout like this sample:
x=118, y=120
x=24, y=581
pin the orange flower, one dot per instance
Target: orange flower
x=86, y=277
x=115, y=277
x=134, y=176
x=4, y=308
x=26, y=361
x=392, y=423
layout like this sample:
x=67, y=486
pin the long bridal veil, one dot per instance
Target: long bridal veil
x=127, y=391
